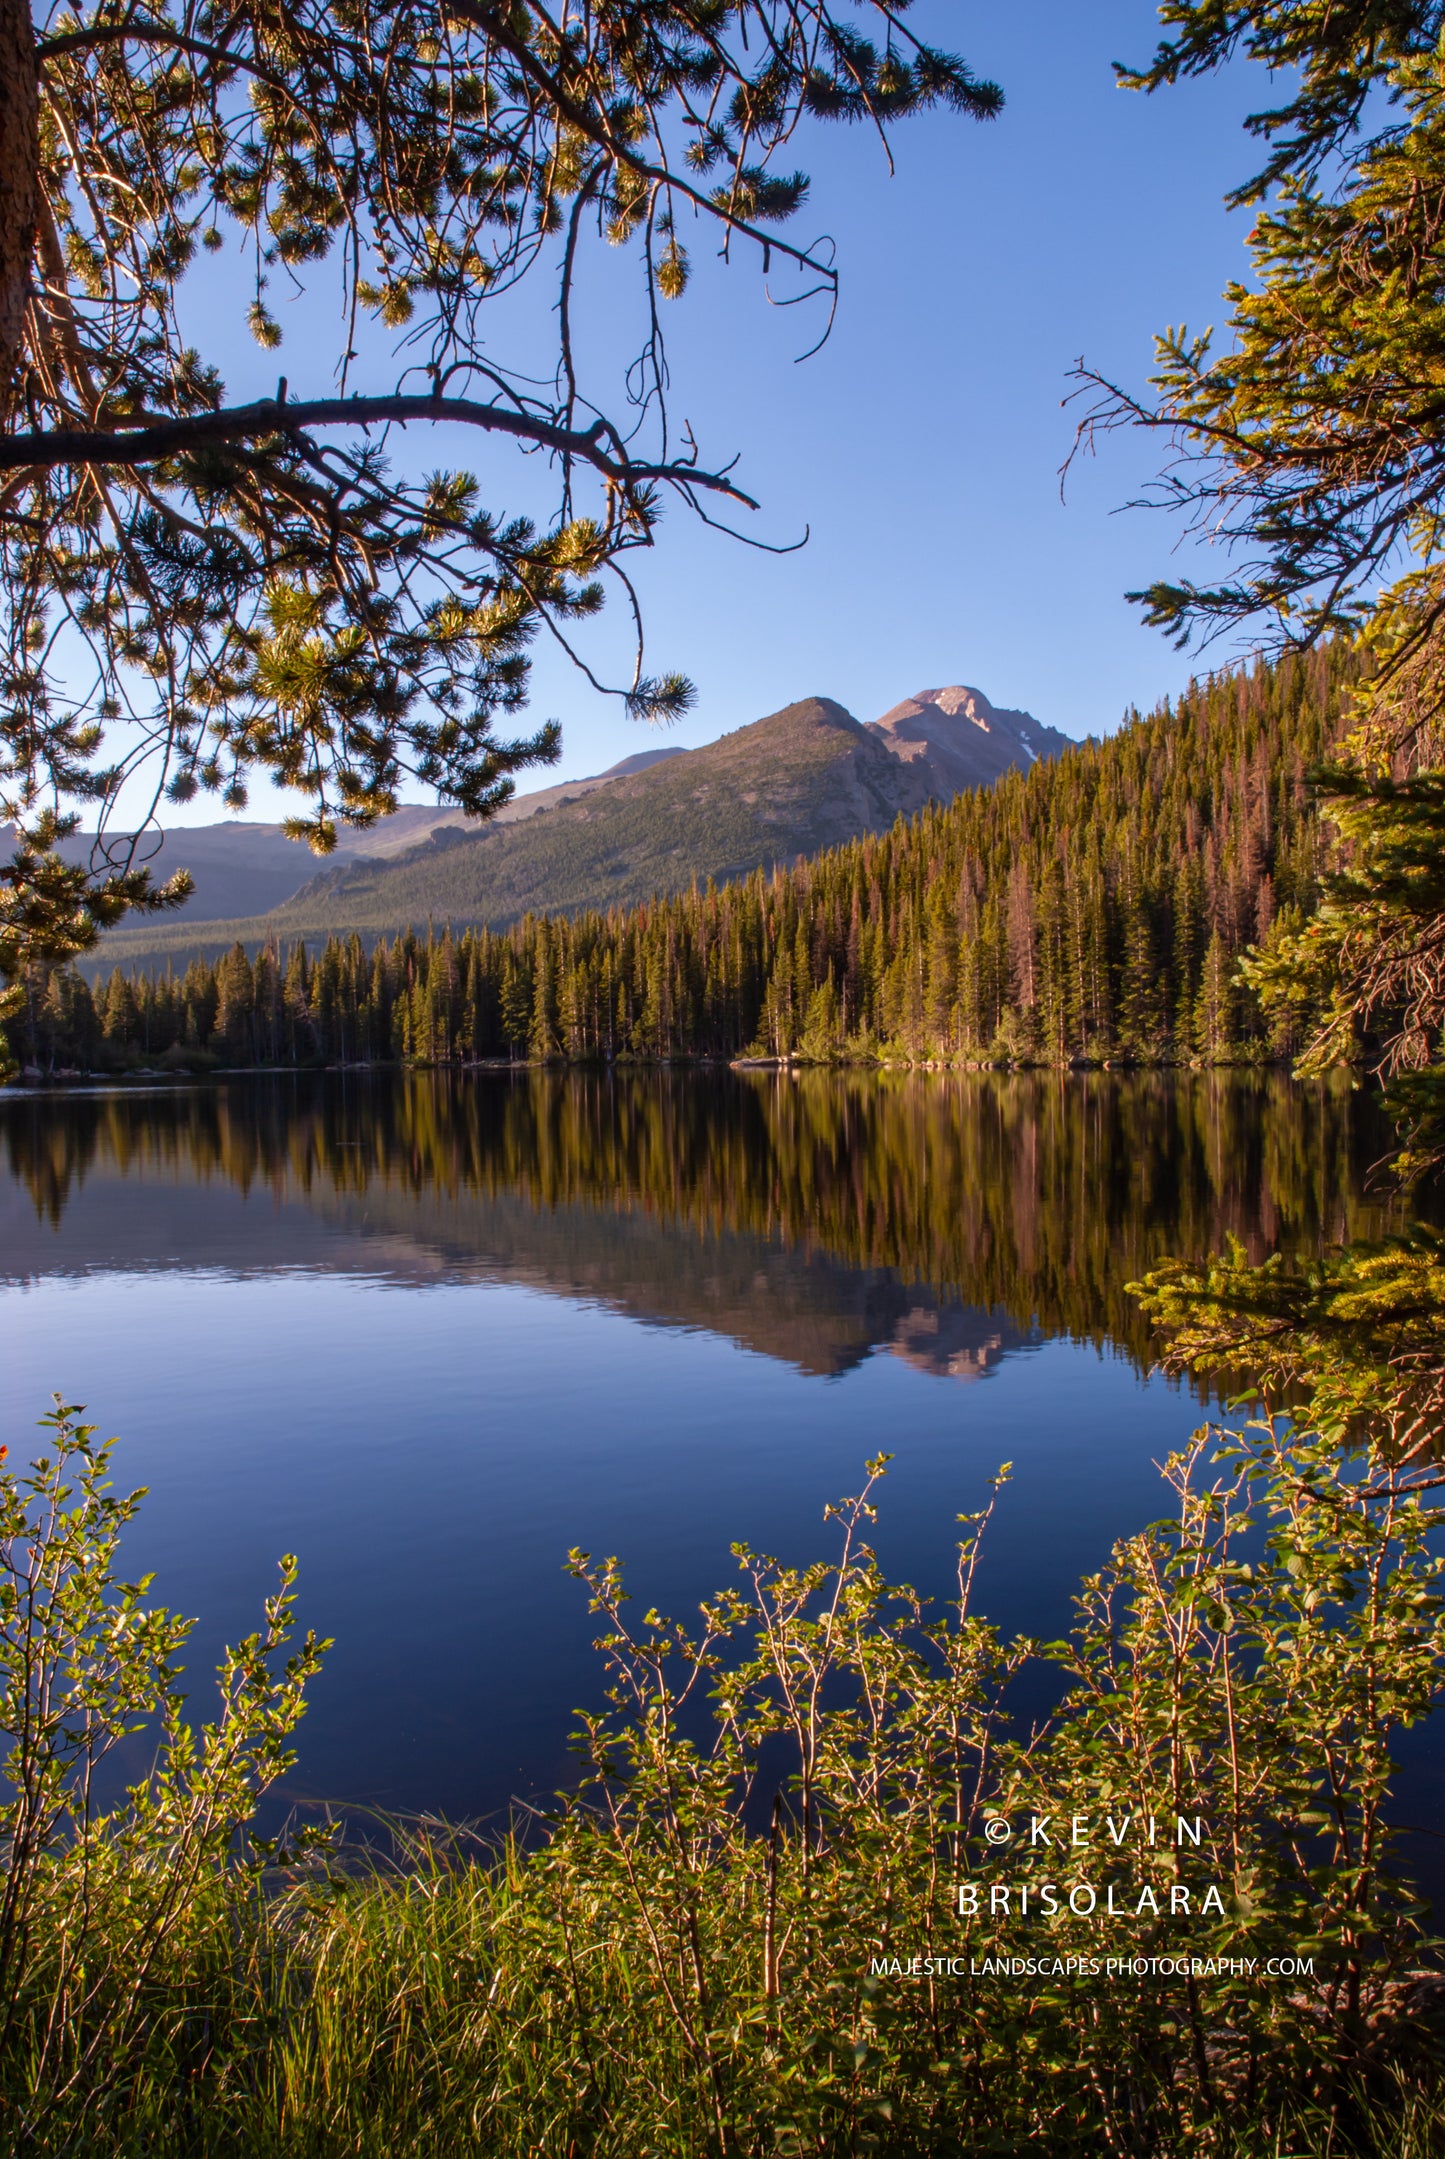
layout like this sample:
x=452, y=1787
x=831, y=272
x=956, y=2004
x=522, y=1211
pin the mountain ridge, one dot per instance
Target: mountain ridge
x=801, y=779
x=248, y=867
x=1089, y=910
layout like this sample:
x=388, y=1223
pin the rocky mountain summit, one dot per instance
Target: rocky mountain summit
x=960, y=740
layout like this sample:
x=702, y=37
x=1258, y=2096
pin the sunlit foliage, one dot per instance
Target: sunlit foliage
x=281, y=584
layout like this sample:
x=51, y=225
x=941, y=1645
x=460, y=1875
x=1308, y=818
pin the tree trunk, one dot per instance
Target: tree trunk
x=19, y=185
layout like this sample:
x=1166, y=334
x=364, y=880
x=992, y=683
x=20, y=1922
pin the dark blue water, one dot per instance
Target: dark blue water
x=428, y=1335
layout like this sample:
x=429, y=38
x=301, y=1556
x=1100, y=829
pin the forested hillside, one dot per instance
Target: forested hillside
x=803, y=779
x=1091, y=908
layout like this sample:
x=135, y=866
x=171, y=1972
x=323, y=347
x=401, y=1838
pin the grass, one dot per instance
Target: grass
x=694, y=1955
x=511, y=2008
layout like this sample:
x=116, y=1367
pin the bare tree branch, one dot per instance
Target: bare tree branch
x=158, y=438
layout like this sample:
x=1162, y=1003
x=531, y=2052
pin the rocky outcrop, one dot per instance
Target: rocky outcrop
x=955, y=739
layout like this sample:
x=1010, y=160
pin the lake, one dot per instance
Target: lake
x=429, y=1332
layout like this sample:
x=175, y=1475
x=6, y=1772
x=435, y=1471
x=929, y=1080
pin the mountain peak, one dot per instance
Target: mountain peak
x=805, y=778
x=958, y=697
x=958, y=739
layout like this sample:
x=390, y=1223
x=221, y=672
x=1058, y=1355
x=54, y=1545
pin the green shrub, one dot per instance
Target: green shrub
x=719, y=1943
x=108, y=1913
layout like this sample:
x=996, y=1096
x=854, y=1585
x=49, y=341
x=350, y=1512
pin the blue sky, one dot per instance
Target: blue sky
x=921, y=447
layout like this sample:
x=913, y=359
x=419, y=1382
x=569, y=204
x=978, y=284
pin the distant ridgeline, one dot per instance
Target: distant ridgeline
x=1091, y=907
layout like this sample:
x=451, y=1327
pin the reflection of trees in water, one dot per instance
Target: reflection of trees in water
x=1042, y=1194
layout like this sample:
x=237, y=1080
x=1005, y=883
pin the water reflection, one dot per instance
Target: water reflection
x=815, y=1217
x=430, y=1332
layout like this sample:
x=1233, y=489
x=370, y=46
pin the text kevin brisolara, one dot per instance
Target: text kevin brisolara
x=1029, y=1897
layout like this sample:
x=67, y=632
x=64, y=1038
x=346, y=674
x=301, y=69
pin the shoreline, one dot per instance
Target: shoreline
x=30, y=1082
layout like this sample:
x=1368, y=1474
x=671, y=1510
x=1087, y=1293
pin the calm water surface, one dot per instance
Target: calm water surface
x=429, y=1333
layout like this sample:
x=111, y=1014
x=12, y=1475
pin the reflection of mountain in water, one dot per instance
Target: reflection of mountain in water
x=951, y=1219
x=801, y=1308
x=957, y=1341
x=804, y=1308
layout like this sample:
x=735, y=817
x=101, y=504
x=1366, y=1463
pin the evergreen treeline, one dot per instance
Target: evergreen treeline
x=1089, y=909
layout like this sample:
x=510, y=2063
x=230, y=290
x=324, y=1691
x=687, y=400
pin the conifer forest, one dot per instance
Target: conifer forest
x=1088, y=910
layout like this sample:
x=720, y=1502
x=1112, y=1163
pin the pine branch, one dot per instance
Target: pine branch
x=172, y=436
